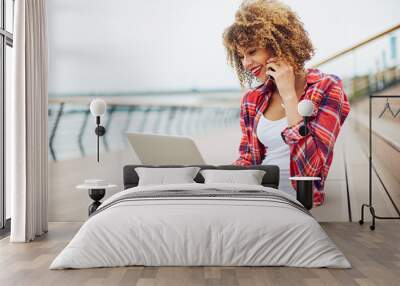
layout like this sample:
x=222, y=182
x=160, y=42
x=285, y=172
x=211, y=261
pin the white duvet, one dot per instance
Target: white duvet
x=200, y=231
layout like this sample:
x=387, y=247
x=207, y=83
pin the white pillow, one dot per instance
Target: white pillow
x=248, y=177
x=162, y=176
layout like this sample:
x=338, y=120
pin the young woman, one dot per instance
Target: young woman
x=267, y=41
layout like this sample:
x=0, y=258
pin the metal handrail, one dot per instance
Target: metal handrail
x=134, y=99
x=356, y=46
x=150, y=117
x=151, y=106
x=374, y=76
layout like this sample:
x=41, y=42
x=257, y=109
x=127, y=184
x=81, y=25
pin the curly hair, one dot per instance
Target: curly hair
x=268, y=24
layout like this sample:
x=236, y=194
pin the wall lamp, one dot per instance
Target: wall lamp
x=98, y=108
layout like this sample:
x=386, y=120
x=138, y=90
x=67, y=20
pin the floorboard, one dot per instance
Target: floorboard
x=374, y=255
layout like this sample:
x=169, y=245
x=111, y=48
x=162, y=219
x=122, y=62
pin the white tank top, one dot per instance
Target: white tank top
x=278, y=153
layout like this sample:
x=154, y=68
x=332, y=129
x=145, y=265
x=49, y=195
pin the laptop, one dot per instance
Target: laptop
x=158, y=149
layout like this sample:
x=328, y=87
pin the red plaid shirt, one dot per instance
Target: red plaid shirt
x=331, y=107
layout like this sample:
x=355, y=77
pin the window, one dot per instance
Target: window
x=6, y=44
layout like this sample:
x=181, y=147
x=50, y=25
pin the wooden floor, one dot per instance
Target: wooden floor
x=374, y=255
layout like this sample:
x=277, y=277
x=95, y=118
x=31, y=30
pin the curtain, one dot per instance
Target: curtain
x=28, y=123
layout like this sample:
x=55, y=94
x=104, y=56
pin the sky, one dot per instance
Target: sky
x=102, y=46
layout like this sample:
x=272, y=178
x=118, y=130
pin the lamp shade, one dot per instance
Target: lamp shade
x=98, y=107
x=305, y=107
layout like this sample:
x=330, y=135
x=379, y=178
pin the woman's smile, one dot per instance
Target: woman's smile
x=256, y=71
x=254, y=60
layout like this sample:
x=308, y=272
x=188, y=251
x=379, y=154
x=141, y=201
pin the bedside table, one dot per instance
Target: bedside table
x=96, y=190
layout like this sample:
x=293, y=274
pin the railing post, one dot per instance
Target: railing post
x=53, y=131
x=171, y=118
x=144, y=119
x=82, y=132
x=112, y=109
x=131, y=110
x=157, y=121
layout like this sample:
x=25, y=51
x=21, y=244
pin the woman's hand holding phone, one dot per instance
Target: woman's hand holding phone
x=283, y=75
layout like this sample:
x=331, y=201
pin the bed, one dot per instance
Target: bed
x=201, y=224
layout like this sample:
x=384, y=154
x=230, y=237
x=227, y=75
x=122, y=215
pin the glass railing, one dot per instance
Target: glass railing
x=71, y=125
x=370, y=66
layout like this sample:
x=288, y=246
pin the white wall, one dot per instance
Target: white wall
x=125, y=45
